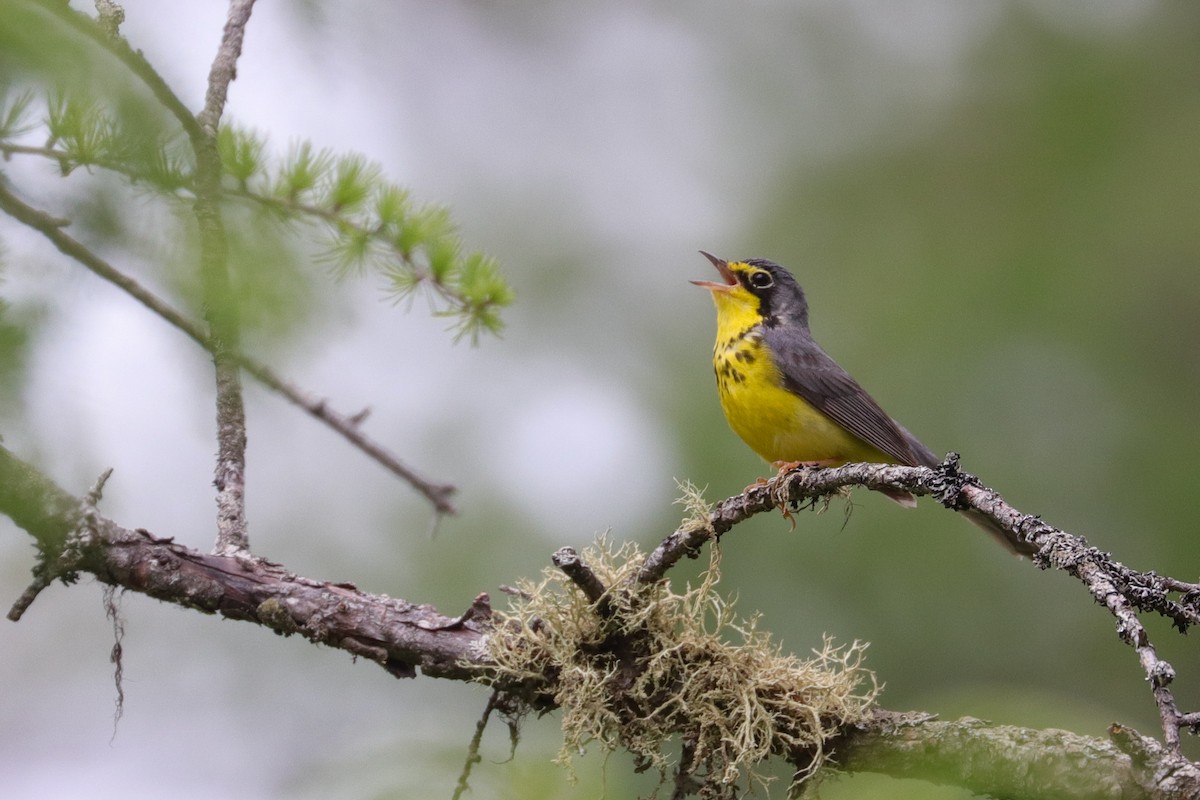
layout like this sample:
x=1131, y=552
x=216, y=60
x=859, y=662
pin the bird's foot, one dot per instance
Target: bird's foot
x=758, y=483
x=787, y=466
x=787, y=514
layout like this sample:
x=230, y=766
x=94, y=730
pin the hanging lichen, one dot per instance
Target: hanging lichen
x=655, y=666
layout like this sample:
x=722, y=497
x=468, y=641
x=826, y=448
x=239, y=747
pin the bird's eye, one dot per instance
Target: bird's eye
x=761, y=280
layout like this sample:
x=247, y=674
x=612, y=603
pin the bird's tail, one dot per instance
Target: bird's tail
x=925, y=457
x=1002, y=535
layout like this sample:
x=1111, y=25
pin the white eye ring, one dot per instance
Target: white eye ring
x=761, y=280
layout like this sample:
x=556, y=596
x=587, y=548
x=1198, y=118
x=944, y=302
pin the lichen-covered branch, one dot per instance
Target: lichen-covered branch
x=400, y=636
x=221, y=304
x=1123, y=591
x=1015, y=763
x=644, y=675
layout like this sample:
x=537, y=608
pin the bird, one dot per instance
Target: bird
x=786, y=398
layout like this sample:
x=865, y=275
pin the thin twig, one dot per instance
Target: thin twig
x=61, y=556
x=220, y=300
x=566, y=559
x=224, y=67
x=438, y=494
x=1159, y=673
x=473, y=749
x=50, y=227
x=52, y=153
x=42, y=578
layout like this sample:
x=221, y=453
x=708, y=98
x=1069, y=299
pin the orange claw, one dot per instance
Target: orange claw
x=787, y=466
x=757, y=483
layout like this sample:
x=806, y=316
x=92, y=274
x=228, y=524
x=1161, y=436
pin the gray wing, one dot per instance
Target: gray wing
x=811, y=373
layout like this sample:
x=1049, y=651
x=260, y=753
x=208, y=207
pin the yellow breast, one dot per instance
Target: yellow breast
x=778, y=424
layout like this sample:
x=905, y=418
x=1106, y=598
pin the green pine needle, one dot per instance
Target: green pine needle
x=361, y=222
x=351, y=184
x=241, y=153
x=302, y=171
x=14, y=112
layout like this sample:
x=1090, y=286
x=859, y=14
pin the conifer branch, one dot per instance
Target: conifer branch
x=469, y=286
x=133, y=59
x=346, y=425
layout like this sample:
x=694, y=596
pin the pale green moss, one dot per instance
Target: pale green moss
x=669, y=666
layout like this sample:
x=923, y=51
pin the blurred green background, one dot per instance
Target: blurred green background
x=992, y=206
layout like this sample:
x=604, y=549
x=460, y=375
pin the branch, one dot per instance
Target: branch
x=398, y=635
x=220, y=300
x=83, y=24
x=350, y=232
x=1016, y=763
x=403, y=637
x=1123, y=591
x=566, y=559
x=50, y=227
x=473, y=756
x=376, y=230
x=224, y=68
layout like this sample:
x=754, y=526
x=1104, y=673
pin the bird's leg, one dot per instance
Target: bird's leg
x=785, y=467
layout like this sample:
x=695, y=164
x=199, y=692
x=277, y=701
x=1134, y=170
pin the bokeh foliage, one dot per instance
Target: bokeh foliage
x=107, y=115
x=1012, y=269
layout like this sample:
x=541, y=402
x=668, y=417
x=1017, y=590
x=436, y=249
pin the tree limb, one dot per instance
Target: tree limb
x=1014, y=763
x=348, y=426
x=403, y=637
x=398, y=635
x=1123, y=591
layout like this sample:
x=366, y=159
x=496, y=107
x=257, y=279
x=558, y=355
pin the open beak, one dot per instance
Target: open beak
x=723, y=268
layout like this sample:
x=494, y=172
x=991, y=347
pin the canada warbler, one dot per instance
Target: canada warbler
x=787, y=398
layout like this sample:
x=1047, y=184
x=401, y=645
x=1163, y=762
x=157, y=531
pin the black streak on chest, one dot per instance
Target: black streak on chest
x=738, y=349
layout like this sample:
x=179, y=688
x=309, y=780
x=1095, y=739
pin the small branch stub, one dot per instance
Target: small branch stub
x=64, y=563
x=572, y=565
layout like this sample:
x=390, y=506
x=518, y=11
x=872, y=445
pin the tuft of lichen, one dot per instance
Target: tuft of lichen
x=659, y=667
